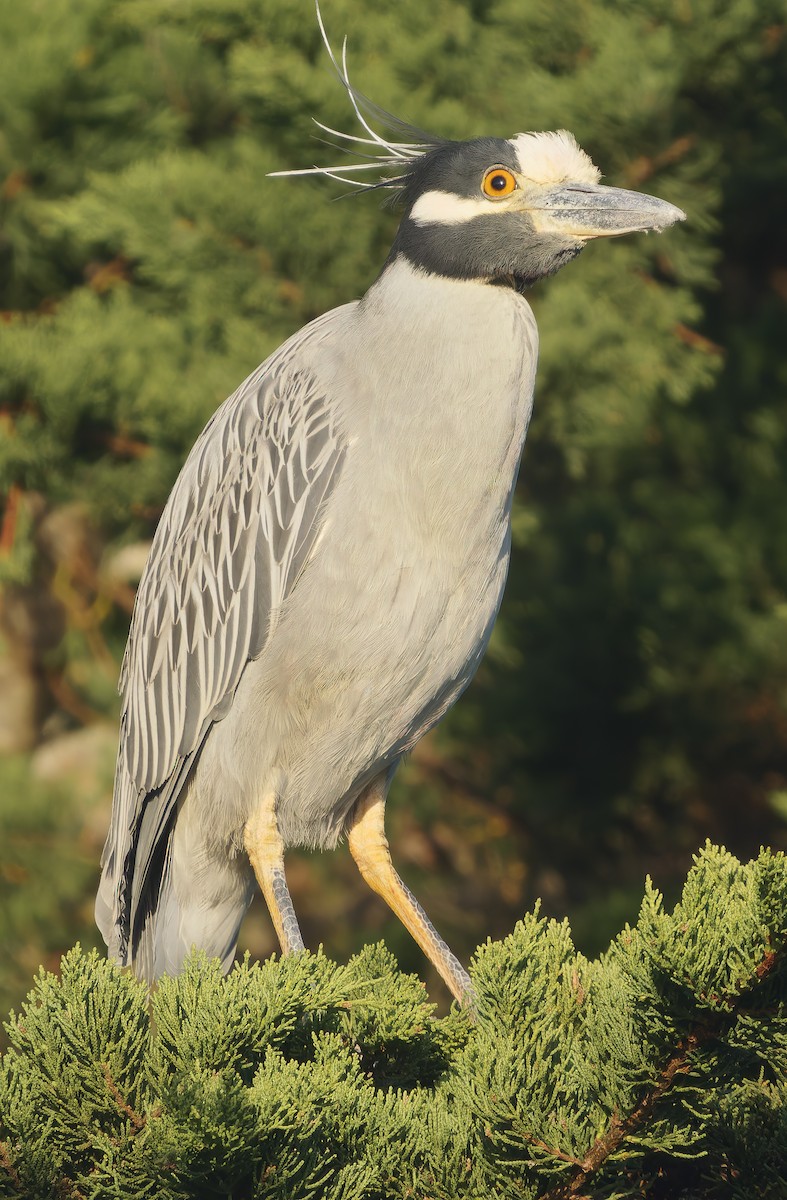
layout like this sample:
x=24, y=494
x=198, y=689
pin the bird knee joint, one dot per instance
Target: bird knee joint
x=261, y=836
x=373, y=861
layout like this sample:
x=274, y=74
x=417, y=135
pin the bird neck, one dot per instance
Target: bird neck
x=439, y=308
x=504, y=251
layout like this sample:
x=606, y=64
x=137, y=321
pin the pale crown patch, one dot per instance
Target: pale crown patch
x=549, y=158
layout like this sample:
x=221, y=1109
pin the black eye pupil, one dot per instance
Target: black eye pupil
x=499, y=182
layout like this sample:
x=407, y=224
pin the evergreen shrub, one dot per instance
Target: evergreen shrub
x=658, y=1069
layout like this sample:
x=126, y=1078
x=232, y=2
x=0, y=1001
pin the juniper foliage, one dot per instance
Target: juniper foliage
x=658, y=1069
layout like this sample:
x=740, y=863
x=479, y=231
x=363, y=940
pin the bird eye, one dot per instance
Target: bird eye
x=498, y=182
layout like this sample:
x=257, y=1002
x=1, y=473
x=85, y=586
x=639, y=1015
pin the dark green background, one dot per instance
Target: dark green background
x=634, y=699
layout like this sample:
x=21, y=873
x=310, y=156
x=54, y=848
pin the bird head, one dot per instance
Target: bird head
x=514, y=209
x=500, y=210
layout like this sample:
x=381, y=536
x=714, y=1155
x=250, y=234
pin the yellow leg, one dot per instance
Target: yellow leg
x=265, y=848
x=369, y=848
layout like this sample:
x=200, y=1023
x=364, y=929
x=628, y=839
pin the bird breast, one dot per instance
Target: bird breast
x=437, y=383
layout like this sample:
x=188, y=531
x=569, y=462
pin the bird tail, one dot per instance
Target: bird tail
x=184, y=917
x=188, y=899
x=107, y=906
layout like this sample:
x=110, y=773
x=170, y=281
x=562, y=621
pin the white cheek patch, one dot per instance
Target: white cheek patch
x=549, y=158
x=443, y=208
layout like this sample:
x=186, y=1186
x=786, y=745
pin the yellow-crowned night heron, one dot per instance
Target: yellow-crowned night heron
x=326, y=573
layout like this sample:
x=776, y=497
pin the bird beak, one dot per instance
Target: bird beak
x=586, y=211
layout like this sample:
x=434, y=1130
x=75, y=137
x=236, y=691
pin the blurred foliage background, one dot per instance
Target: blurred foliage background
x=634, y=700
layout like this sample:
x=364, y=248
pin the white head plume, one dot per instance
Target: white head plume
x=378, y=153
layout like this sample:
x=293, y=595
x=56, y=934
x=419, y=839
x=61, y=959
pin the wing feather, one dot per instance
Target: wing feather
x=230, y=540
x=235, y=534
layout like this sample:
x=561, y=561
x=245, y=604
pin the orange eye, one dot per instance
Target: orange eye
x=498, y=182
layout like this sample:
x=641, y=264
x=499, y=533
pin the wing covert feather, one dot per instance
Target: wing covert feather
x=236, y=531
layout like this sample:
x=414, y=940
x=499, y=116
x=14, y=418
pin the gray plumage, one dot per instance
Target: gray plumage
x=388, y=618
x=326, y=573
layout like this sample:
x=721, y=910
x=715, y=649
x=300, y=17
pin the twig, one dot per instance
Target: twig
x=697, y=341
x=676, y=1064
x=123, y=446
x=642, y=168
x=10, y=516
x=553, y=1152
x=9, y=1168
x=70, y=700
x=136, y=1120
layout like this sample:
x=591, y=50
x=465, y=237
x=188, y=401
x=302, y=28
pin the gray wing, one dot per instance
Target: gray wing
x=235, y=533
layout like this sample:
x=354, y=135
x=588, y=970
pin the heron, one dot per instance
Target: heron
x=326, y=573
